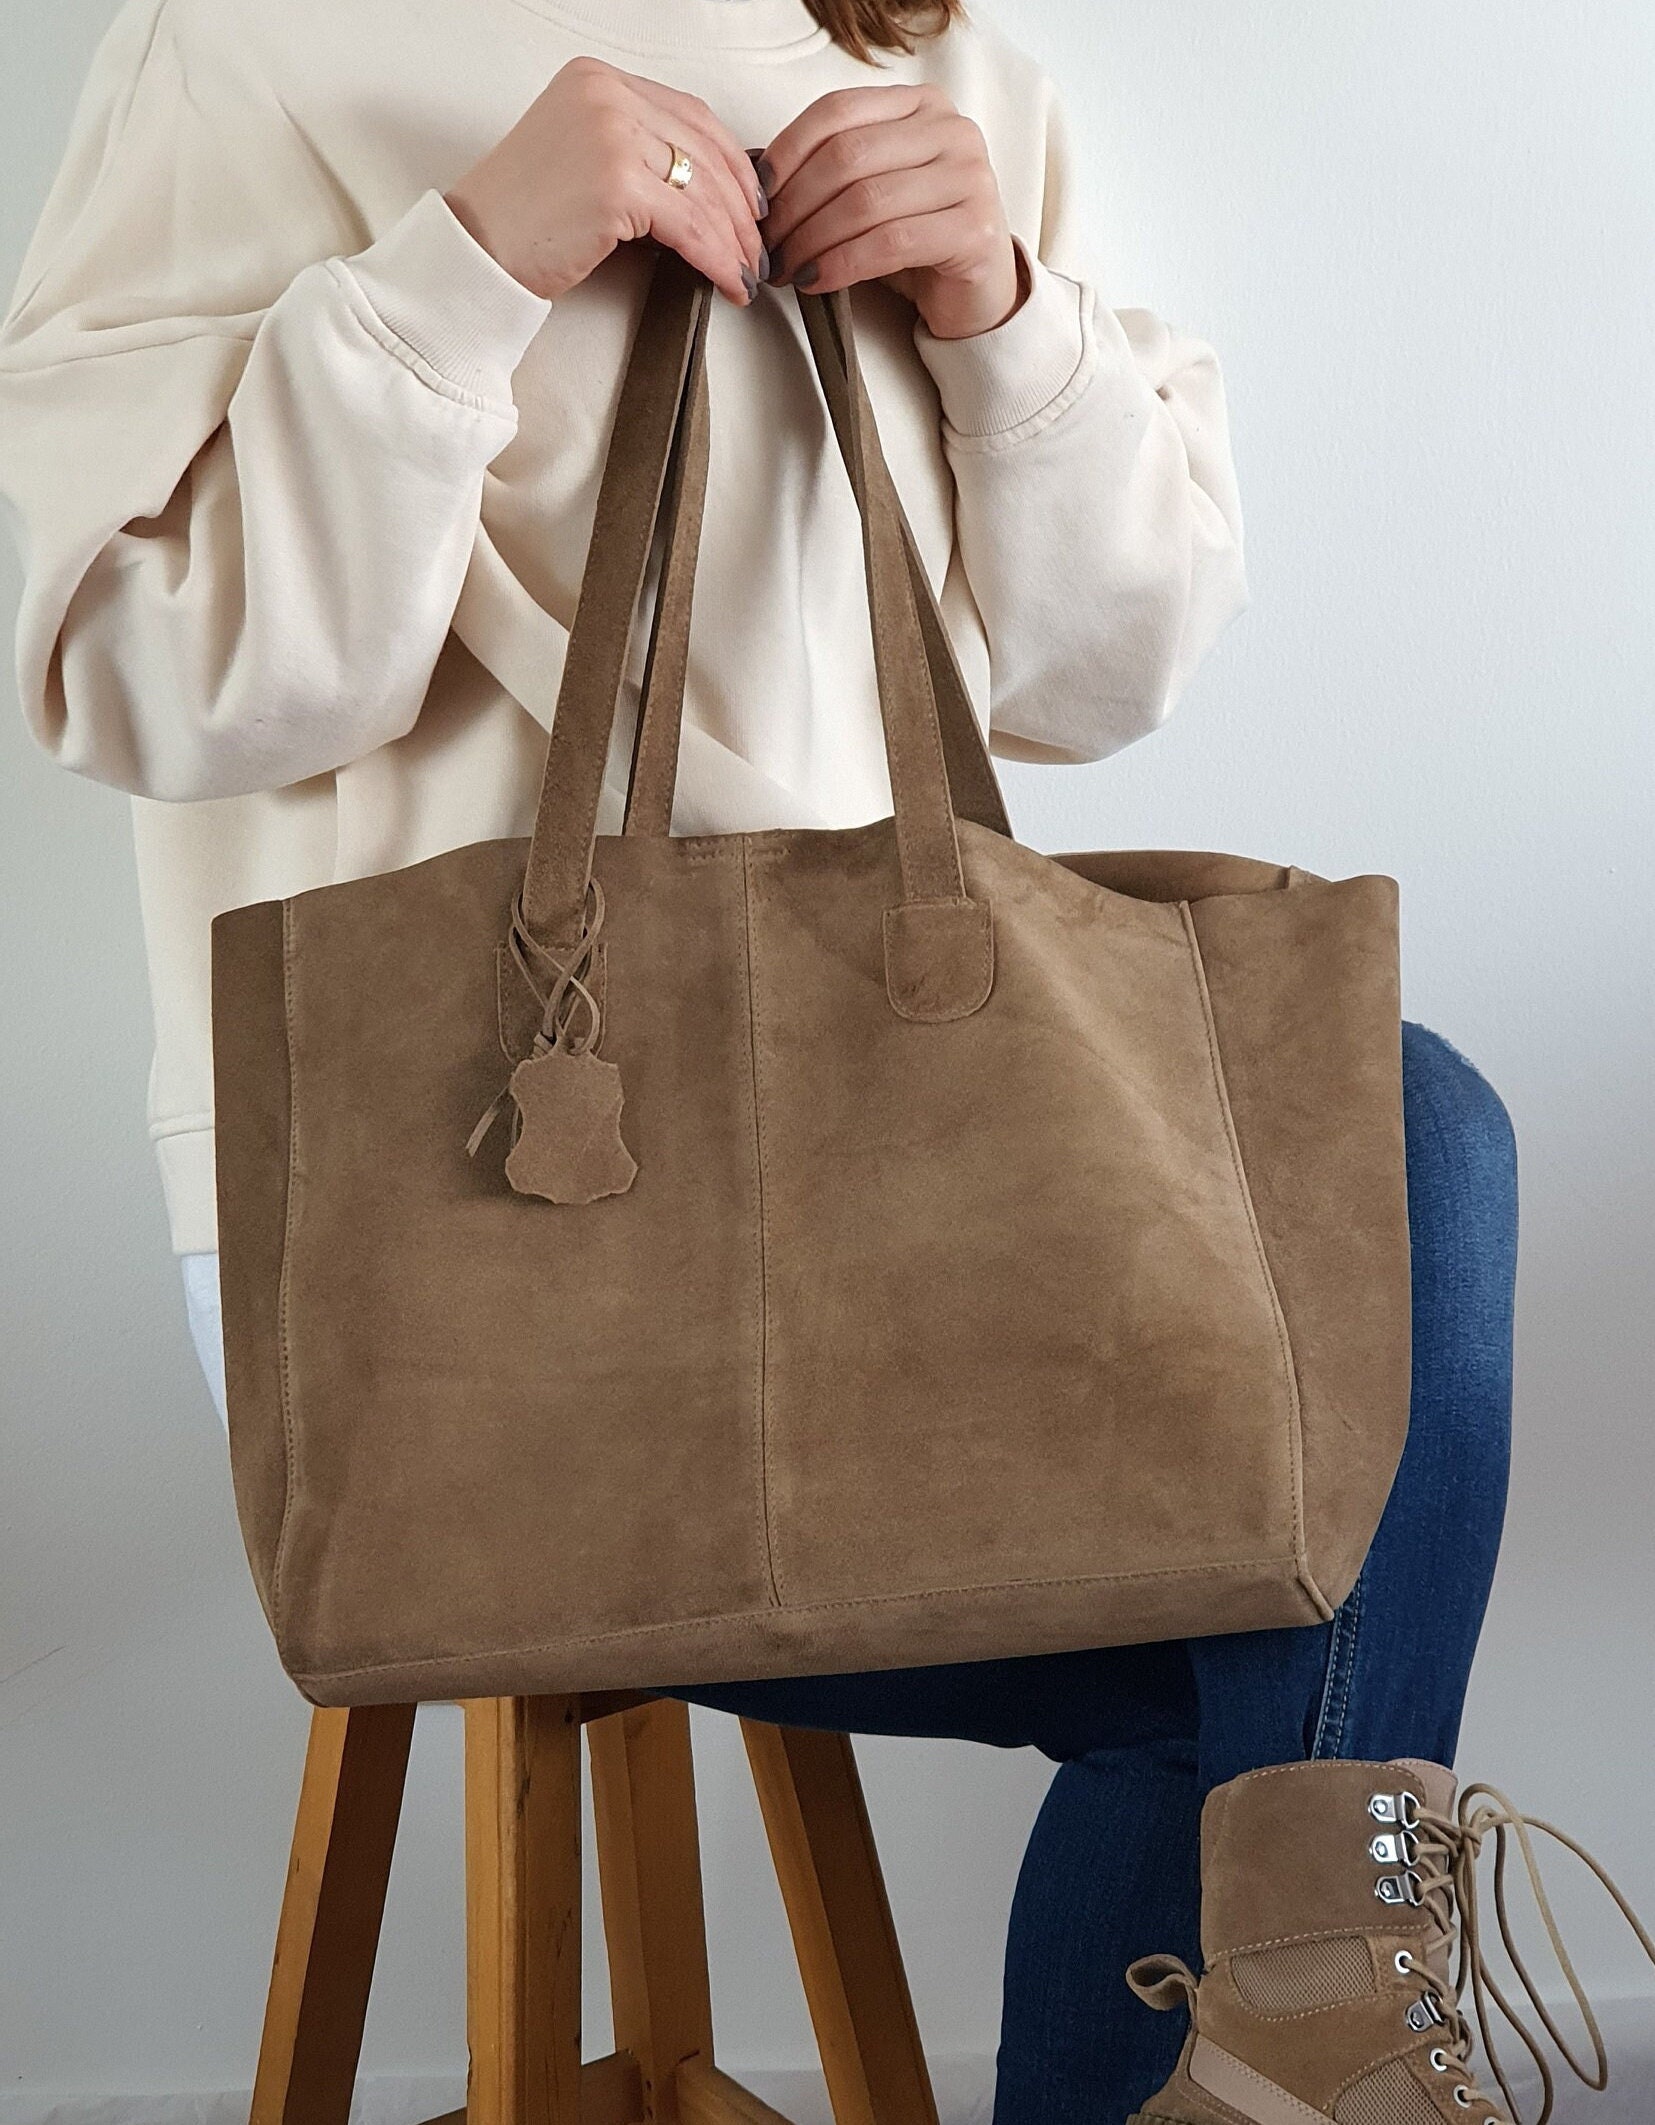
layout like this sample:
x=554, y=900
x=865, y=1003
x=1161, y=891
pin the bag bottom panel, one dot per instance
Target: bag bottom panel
x=852, y=1637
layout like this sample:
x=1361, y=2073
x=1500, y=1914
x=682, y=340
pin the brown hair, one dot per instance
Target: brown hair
x=864, y=27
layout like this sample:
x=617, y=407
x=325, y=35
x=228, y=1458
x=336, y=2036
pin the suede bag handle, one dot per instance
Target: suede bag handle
x=971, y=779
x=938, y=942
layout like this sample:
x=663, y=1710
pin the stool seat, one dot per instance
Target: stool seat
x=523, y=1919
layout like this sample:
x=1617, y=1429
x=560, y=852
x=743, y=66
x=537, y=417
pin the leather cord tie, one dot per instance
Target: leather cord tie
x=566, y=1104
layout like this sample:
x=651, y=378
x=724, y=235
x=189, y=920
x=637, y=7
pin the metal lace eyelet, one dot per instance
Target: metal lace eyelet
x=1399, y=1808
x=1440, y=2061
x=1395, y=1848
x=1462, y=2096
x=1398, y=1888
x=1425, y=2014
x=1404, y=1963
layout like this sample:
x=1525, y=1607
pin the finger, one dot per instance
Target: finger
x=716, y=136
x=838, y=112
x=941, y=240
x=863, y=156
x=711, y=184
x=866, y=205
x=702, y=236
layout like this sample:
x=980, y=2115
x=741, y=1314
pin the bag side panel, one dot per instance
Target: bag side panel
x=519, y=1421
x=252, y=1114
x=1306, y=1000
x=1021, y=1327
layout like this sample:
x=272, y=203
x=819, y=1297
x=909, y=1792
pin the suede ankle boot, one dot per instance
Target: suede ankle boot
x=1339, y=1928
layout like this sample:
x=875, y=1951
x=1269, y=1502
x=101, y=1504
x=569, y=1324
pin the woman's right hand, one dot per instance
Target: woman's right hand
x=585, y=168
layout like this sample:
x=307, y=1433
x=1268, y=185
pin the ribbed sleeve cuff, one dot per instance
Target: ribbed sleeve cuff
x=1021, y=370
x=432, y=284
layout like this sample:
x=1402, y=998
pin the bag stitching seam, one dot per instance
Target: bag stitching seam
x=289, y=1444
x=754, y=1617
x=1295, y=1425
x=761, y=1239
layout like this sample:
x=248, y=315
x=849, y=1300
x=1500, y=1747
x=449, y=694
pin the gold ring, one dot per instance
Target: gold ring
x=682, y=169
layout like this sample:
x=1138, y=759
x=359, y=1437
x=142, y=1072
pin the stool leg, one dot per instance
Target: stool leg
x=522, y=1830
x=332, y=1907
x=828, y=1868
x=649, y=1870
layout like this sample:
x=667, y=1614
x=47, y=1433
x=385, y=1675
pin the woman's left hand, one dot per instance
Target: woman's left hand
x=892, y=184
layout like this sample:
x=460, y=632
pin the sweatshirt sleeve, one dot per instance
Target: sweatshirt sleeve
x=1096, y=515
x=245, y=460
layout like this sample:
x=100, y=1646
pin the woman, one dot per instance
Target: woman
x=306, y=385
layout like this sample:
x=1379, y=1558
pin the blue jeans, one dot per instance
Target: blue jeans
x=1140, y=1734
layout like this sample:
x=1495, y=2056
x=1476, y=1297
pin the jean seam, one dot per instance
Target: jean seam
x=1334, y=1712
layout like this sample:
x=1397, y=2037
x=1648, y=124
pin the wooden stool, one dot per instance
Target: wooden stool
x=523, y=1927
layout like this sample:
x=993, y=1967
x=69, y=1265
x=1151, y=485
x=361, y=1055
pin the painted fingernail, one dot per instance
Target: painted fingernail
x=765, y=172
x=749, y=280
x=764, y=263
x=808, y=274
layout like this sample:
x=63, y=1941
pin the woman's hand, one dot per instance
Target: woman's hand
x=585, y=169
x=893, y=184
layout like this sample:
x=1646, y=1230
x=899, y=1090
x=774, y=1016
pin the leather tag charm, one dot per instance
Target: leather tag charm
x=569, y=1146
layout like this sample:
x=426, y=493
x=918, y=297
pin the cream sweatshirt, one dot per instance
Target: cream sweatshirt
x=304, y=478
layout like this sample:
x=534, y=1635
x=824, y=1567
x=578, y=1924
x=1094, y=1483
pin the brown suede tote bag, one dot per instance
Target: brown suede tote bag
x=653, y=1260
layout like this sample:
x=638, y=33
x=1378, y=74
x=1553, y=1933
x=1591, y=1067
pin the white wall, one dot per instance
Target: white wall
x=1420, y=237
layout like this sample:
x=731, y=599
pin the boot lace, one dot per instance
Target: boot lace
x=1439, y=1872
